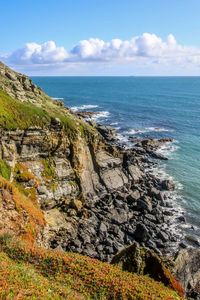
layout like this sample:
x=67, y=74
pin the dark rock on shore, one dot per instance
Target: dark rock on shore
x=108, y=132
x=144, y=261
x=85, y=114
x=168, y=185
x=152, y=145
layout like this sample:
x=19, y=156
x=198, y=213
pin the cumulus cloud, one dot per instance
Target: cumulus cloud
x=146, y=48
x=33, y=53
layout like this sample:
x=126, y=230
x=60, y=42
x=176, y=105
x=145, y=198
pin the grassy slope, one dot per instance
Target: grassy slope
x=35, y=273
x=15, y=114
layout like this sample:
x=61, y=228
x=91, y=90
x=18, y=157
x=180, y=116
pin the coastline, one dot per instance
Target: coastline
x=184, y=231
x=157, y=216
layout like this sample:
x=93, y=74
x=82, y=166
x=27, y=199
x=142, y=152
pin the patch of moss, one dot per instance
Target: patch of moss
x=72, y=183
x=5, y=170
x=54, y=186
x=49, y=170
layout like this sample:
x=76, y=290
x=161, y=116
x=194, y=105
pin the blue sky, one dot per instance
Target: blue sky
x=99, y=22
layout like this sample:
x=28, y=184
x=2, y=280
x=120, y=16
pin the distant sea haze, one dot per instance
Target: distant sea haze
x=146, y=107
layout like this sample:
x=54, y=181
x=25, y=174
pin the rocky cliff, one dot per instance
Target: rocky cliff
x=65, y=186
x=95, y=197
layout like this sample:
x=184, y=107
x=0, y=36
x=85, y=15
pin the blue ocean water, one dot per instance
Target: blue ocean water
x=146, y=107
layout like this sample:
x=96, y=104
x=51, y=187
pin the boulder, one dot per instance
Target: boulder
x=163, y=236
x=168, y=185
x=144, y=204
x=106, y=160
x=114, y=178
x=141, y=233
x=144, y=261
x=108, y=132
x=192, y=240
x=133, y=196
x=103, y=228
x=135, y=173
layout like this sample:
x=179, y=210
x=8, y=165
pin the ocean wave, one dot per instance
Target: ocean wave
x=56, y=98
x=117, y=128
x=148, y=129
x=173, y=197
x=83, y=107
x=114, y=124
x=98, y=115
x=160, y=172
x=122, y=139
x=168, y=149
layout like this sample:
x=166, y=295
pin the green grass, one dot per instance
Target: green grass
x=17, y=115
x=49, y=169
x=5, y=170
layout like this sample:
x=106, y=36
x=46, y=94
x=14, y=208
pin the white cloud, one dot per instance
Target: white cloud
x=145, y=49
x=33, y=53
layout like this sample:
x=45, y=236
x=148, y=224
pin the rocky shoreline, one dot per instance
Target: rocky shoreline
x=132, y=204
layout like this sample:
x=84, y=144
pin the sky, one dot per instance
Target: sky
x=101, y=37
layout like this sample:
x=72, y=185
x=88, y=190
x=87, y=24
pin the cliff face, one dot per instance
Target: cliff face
x=96, y=198
x=64, y=186
x=64, y=164
x=70, y=180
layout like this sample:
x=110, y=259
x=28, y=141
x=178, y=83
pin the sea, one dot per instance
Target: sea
x=146, y=107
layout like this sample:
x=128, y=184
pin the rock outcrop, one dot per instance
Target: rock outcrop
x=143, y=261
x=20, y=87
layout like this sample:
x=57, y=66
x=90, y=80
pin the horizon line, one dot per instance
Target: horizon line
x=133, y=76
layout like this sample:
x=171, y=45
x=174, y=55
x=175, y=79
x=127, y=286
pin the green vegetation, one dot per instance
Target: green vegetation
x=18, y=115
x=15, y=114
x=49, y=170
x=5, y=170
x=35, y=273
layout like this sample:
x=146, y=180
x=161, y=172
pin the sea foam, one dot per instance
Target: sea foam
x=56, y=98
x=148, y=129
x=83, y=107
